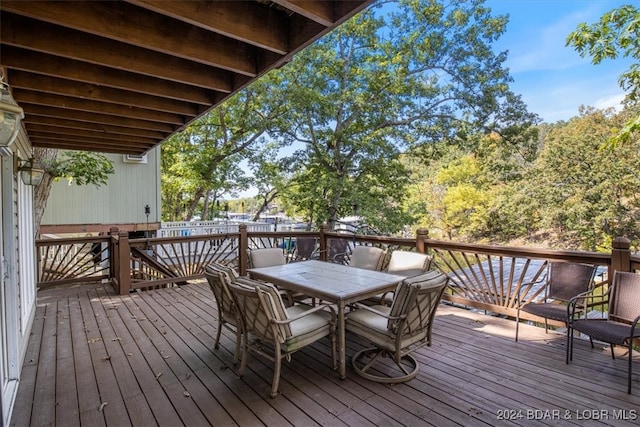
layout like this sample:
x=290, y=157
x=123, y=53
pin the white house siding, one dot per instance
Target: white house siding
x=17, y=287
x=122, y=200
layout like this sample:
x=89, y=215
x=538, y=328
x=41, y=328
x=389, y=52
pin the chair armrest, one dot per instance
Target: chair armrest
x=580, y=302
x=379, y=313
x=306, y=313
x=527, y=286
x=634, y=325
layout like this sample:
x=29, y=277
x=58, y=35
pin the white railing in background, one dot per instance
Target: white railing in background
x=199, y=228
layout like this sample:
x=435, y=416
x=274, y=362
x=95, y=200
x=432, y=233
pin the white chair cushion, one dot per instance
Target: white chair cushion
x=266, y=257
x=368, y=257
x=408, y=264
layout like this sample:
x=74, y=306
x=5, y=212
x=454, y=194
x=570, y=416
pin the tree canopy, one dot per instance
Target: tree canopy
x=391, y=79
x=617, y=33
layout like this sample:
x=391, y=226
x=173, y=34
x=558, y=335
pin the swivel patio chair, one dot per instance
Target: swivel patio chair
x=620, y=327
x=367, y=257
x=219, y=277
x=398, y=330
x=564, y=281
x=266, y=320
x=402, y=263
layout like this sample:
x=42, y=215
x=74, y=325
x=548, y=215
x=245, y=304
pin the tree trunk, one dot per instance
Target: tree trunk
x=44, y=156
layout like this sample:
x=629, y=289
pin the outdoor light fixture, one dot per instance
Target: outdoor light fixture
x=31, y=172
x=10, y=116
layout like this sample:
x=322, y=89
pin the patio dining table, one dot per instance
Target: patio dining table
x=334, y=283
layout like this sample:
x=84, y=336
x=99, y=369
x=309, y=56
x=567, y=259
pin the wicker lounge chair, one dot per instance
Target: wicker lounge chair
x=620, y=327
x=564, y=281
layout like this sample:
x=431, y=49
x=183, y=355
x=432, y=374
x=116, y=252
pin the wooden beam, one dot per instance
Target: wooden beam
x=63, y=113
x=90, y=92
x=71, y=105
x=82, y=134
x=250, y=22
x=89, y=146
x=321, y=12
x=55, y=40
x=70, y=125
x=73, y=139
x=135, y=26
x=55, y=66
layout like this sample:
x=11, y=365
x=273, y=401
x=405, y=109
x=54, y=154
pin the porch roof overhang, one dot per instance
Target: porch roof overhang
x=122, y=76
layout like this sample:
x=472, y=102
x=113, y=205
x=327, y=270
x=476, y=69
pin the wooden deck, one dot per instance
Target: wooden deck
x=96, y=358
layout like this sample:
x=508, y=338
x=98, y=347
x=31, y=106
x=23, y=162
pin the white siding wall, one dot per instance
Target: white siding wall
x=27, y=260
x=122, y=200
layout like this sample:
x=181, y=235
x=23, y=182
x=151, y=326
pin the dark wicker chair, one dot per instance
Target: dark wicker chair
x=306, y=248
x=620, y=327
x=398, y=330
x=564, y=281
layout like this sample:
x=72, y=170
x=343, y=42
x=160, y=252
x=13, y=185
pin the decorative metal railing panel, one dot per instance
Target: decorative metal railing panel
x=495, y=280
x=498, y=279
x=73, y=260
x=161, y=262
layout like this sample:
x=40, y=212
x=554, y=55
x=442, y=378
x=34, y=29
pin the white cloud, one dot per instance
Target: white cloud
x=613, y=101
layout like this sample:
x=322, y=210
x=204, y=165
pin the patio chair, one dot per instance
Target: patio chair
x=402, y=263
x=406, y=263
x=620, y=327
x=398, y=330
x=219, y=277
x=367, y=257
x=564, y=281
x=266, y=257
x=271, y=257
x=287, y=329
x=306, y=248
x=337, y=250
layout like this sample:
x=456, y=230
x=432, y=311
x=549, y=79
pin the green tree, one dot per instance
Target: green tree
x=204, y=163
x=617, y=33
x=390, y=79
x=586, y=195
x=78, y=167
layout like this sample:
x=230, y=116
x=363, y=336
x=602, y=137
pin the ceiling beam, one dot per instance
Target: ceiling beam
x=92, y=92
x=64, y=113
x=66, y=125
x=135, y=26
x=120, y=148
x=250, y=22
x=55, y=40
x=55, y=66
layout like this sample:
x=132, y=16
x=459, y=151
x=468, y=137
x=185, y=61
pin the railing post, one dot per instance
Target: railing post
x=124, y=264
x=243, y=246
x=421, y=235
x=113, y=259
x=323, y=242
x=620, y=255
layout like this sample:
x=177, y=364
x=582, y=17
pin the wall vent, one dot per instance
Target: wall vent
x=134, y=158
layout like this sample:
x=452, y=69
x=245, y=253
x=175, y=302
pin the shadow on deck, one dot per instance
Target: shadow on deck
x=96, y=358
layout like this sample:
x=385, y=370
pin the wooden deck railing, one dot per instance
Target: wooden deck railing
x=490, y=278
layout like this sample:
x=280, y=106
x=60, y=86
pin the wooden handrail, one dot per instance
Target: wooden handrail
x=189, y=254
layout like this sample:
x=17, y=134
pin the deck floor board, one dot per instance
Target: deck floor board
x=100, y=359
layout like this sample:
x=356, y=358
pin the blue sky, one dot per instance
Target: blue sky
x=552, y=78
